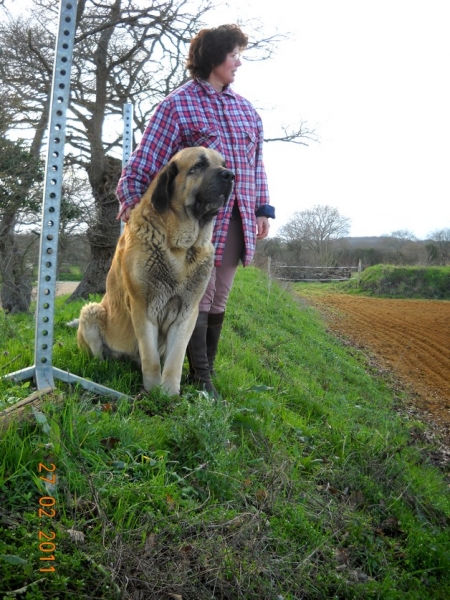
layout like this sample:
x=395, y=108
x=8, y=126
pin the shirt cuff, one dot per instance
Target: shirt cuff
x=266, y=210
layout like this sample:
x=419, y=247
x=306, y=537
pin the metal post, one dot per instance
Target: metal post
x=42, y=371
x=127, y=139
x=127, y=132
x=52, y=195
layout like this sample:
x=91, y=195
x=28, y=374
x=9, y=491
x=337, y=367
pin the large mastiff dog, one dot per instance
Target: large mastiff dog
x=160, y=270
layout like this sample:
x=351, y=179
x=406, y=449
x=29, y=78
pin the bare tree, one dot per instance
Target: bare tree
x=400, y=237
x=440, y=251
x=313, y=229
x=400, y=247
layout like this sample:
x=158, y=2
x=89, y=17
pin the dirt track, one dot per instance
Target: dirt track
x=410, y=338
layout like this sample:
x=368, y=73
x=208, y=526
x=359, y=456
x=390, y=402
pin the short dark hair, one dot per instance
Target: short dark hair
x=209, y=48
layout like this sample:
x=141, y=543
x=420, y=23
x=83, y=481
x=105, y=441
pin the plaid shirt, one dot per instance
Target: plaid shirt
x=196, y=115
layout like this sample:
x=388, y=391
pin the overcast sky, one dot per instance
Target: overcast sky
x=373, y=77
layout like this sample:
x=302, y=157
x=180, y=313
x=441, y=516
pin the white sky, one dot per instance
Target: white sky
x=373, y=77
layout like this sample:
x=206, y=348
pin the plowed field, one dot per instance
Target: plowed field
x=410, y=338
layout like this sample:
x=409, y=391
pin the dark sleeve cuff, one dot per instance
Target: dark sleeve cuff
x=265, y=210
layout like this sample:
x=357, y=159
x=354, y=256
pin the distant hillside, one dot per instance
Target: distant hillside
x=371, y=241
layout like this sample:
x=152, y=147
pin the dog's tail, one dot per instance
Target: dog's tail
x=73, y=323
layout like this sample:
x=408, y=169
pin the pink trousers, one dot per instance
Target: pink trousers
x=219, y=287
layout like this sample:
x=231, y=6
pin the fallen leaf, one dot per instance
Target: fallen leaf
x=391, y=526
x=187, y=549
x=342, y=556
x=261, y=495
x=150, y=542
x=109, y=443
x=76, y=536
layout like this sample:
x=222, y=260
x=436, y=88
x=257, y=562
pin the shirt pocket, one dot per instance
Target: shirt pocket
x=247, y=142
x=206, y=137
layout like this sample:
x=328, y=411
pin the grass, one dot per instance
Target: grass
x=302, y=483
x=66, y=272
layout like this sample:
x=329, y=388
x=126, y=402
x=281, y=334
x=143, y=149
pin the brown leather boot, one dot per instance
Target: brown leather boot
x=197, y=356
x=215, y=322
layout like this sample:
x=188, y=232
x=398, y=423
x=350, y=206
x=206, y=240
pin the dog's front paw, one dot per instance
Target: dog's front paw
x=171, y=388
x=151, y=381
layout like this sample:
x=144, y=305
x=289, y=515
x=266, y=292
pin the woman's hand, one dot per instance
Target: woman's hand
x=262, y=224
x=126, y=214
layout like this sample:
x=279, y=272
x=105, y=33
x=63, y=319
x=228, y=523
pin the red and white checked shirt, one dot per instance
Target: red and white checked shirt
x=196, y=115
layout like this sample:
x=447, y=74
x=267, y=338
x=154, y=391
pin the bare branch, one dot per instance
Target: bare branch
x=297, y=136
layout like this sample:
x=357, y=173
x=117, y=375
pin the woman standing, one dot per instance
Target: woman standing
x=206, y=112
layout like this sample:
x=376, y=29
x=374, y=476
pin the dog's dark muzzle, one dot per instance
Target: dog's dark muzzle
x=224, y=183
x=214, y=192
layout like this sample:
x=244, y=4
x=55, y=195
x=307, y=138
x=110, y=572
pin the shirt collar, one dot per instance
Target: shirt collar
x=211, y=91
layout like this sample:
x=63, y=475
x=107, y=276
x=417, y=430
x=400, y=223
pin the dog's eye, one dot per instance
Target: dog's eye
x=198, y=165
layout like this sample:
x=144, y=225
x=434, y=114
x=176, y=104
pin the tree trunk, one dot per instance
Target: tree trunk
x=104, y=233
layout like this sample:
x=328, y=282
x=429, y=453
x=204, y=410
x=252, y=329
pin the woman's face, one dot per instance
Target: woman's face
x=224, y=73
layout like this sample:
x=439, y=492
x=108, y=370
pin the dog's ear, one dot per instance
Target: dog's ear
x=164, y=187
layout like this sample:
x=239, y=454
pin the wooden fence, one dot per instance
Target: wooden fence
x=283, y=272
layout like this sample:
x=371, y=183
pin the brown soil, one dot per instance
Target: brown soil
x=408, y=338
x=66, y=287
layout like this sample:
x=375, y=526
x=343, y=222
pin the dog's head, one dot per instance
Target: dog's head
x=195, y=182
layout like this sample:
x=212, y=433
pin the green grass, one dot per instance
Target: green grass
x=302, y=483
x=69, y=273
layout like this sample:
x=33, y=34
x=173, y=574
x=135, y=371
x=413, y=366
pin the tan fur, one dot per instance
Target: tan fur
x=160, y=270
